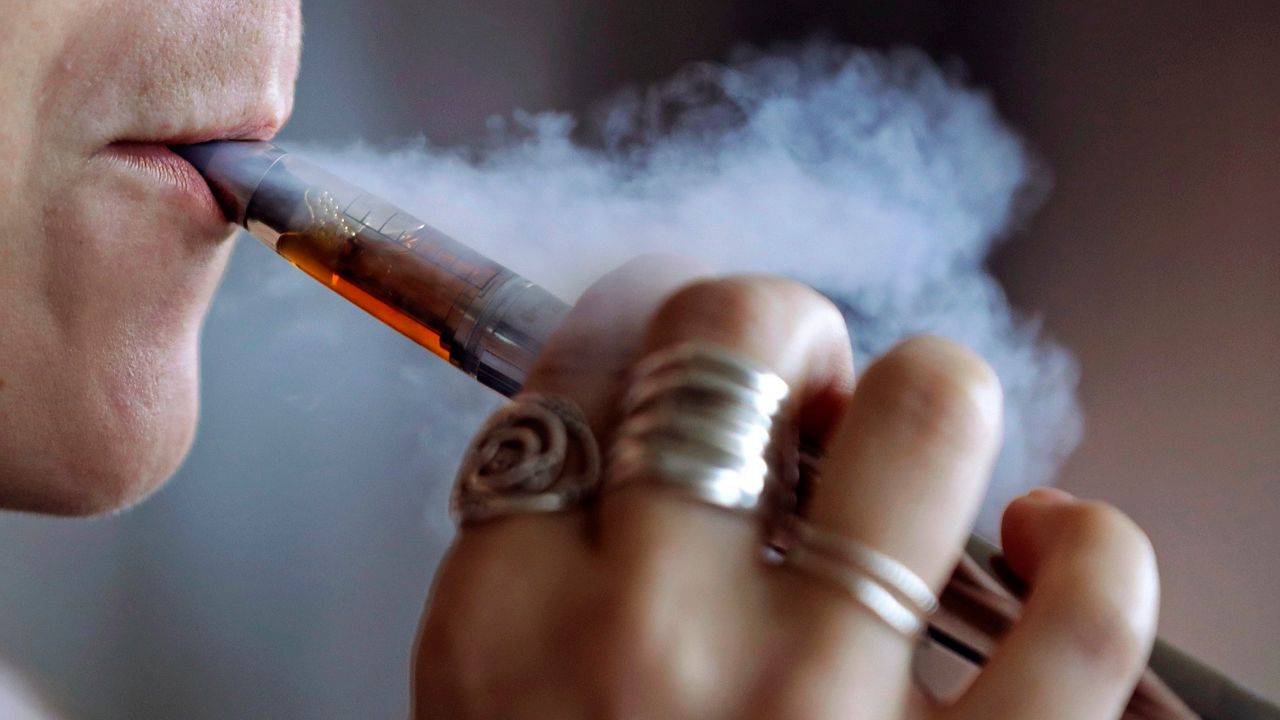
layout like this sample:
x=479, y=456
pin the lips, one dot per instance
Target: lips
x=153, y=159
x=264, y=129
x=159, y=163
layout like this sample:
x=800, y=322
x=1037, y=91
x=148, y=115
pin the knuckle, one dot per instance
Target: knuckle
x=938, y=392
x=743, y=303
x=784, y=323
x=730, y=304
x=1111, y=617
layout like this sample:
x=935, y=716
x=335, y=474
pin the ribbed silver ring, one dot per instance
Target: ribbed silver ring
x=703, y=421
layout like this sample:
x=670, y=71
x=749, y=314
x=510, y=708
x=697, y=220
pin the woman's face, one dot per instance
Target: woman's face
x=110, y=247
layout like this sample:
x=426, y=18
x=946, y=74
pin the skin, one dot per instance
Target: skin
x=650, y=605
x=108, y=266
x=110, y=257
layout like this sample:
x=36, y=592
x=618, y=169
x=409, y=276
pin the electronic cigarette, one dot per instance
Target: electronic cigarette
x=483, y=318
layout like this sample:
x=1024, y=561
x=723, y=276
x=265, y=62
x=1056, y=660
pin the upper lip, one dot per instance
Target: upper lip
x=255, y=129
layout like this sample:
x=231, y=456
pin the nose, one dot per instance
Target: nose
x=243, y=61
x=271, y=72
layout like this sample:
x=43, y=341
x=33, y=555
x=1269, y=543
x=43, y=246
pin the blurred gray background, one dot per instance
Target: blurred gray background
x=281, y=573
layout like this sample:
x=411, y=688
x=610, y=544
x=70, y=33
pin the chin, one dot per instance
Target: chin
x=107, y=483
x=114, y=443
x=121, y=481
x=153, y=432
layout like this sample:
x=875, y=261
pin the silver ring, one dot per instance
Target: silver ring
x=886, y=587
x=536, y=454
x=703, y=421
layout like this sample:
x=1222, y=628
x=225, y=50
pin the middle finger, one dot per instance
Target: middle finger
x=780, y=325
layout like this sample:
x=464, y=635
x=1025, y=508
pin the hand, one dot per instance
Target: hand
x=652, y=605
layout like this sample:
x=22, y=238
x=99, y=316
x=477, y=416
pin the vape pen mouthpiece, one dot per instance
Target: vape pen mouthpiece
x=234, y=171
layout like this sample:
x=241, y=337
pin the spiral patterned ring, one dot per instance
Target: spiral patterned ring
x=535, y=454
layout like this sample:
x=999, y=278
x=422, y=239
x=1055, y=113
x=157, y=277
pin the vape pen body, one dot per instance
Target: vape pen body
x=480, y=316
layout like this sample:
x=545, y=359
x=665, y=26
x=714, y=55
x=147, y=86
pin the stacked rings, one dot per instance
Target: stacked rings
x=708, y=424
x=702, y=421
x=881, y=584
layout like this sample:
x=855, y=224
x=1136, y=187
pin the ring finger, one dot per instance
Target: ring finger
x=903, y=478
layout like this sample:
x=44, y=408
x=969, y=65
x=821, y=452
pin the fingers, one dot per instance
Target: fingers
x=782, y=325
x=589, y=354
x=1088, y=624
x=583, y=360
x=509, y=589
x=909, y=464
x=903, y=475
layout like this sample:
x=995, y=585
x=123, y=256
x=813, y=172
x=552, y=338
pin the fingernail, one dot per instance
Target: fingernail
x=1051, y=495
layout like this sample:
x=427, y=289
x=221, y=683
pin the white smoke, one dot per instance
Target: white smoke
x=878, y=178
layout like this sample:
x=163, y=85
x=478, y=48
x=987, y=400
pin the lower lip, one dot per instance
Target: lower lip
x=169, y=169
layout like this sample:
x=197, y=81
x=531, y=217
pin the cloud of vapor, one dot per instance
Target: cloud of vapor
x=878, y=178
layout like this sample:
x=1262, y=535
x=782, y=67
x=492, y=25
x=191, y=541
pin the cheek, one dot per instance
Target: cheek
x=115, y=276
x=98, y=259
x=125, y=297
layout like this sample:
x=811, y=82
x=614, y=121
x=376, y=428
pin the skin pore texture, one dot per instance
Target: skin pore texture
x=111, y=249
